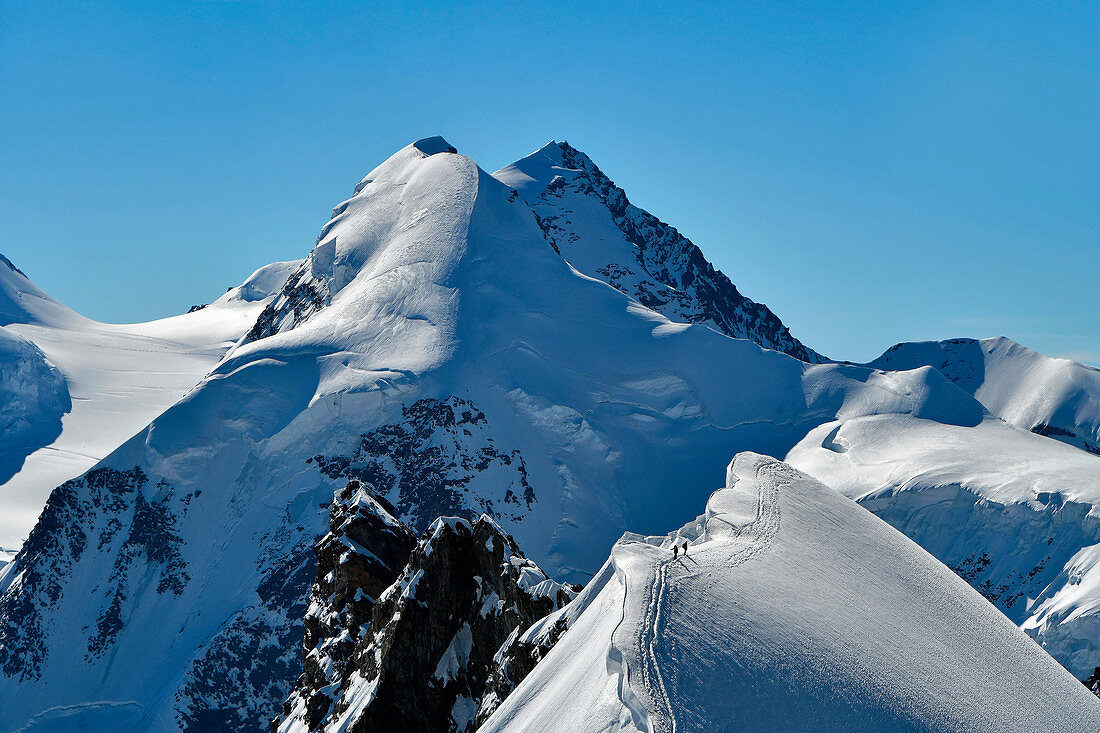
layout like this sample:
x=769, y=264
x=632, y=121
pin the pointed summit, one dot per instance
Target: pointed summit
x=592, y=224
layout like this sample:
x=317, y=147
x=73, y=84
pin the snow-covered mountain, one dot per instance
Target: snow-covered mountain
x=1013, y=513
x=592, y=224
x=437, y=349
x=792, y=609
x=75, y=389
x=1059, y=398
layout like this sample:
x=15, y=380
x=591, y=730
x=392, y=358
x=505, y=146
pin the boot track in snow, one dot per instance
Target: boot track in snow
x=743, y=542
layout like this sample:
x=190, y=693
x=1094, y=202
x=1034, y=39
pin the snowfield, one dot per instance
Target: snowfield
x=792, y=609
x=115, y=379
x=1059, y=398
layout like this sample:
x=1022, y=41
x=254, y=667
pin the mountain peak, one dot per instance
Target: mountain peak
x=590, y=222
x=434, y=145
x=21, y=301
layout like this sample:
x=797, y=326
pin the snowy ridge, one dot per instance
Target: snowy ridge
x=828, y=618
x=1013, y=513
x=590, y=222
x=743, y=534
x=1058, y=398
x=21, y=301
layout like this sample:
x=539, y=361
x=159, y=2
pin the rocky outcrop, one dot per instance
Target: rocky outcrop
x=302, y=295
x=516, y=658
x=425, y=660
x=359, y=558
x=440, y=459
x=105, y=511
x=1093, y=682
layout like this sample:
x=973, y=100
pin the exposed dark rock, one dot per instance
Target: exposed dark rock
x=301, y=296
x=8, y=262
x=106, y=499
x=242, y=674
x=425, y=661
x=515, y=659
x=197, y=307
x=360, y=557
x=1066, y=436
x=1093, y=682
x=429, y=462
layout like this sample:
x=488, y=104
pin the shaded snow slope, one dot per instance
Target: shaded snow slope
x=1013, y=513
x=793, y=609
x=119, y=376
x=33, y=397
x=590, y=222
x=1058, y=398
x=435, y=348
x=21, y=301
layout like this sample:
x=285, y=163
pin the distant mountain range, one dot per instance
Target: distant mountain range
x=519, y=368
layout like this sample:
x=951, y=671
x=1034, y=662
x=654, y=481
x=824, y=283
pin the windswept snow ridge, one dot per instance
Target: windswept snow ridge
x=793, y=608
x=1013, y=513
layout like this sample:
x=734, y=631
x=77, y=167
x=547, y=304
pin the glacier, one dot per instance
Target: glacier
x=114, y=379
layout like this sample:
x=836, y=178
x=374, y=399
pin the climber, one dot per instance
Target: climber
x=675, y=550
x=685, y=547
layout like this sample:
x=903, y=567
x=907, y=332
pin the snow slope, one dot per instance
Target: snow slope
x=590, y=222
x=436, y=348
x=33, y=397
x=119, y=377
x=1059, y=398
x=793, y=609
x=1013, y=513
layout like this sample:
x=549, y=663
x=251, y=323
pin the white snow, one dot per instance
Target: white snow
x=434, y=281
x=1021, y=386
x=33, y=399
x=455, y=657
x=119, y=377
x=1029, y=504
x=794, y=609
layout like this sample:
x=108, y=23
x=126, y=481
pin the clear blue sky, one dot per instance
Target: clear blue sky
x=873, y=172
